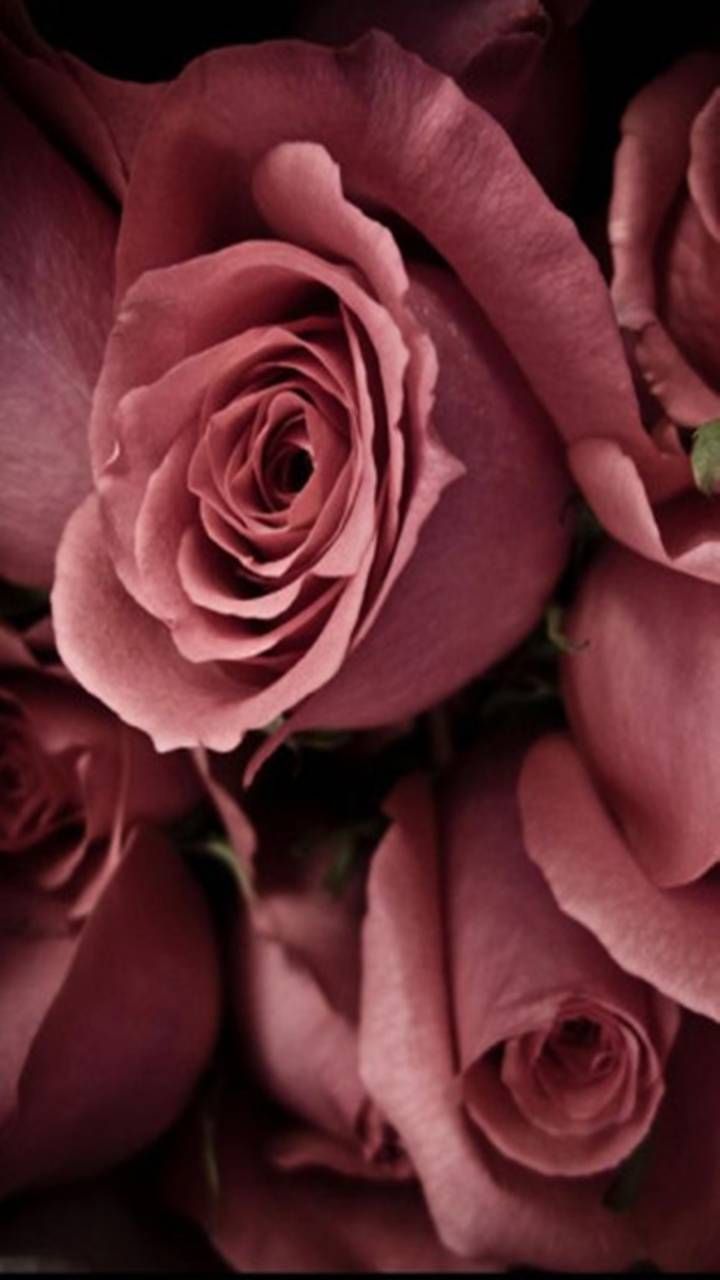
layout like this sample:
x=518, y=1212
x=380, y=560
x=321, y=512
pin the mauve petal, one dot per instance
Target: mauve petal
x=681, y=533
x=303, y=1052
x=498, y=996
x=56, y=270
x=650, y=170
x=668, y=937
x=187, y=703
x=92, y=115
x=691, y=275
x=406, y=138
x=130, y=1030
x=675, y=1210
x=32, y=971
x=647, y=633
x=482, y=1207
x=704, y=168
x=320, y=1222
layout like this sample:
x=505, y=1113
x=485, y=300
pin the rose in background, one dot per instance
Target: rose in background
x=665, y=235
x=622, y=816
x=108, y=975
x=67, y=133
x=651, y=480
x=518, y=60
x=441, y=1026
x=328, y=395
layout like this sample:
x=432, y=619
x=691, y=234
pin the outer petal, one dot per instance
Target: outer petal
x=56, y=245
x=649, y=634
x=129, y=1032
x=174, y=692
x=669, y=937
x=93, y=115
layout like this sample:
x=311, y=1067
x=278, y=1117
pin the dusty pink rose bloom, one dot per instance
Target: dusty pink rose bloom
x=516, y=58
x=446, y=1029
x=663, y=229
x=323, y=460
x=623, y=817
x=665, y=235
x=95, y=1062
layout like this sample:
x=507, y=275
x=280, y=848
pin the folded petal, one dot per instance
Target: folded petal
x=129, y=1032
x=666, y=936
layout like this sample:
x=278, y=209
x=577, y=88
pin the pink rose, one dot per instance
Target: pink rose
x=640, y=479
x=623, y=820
x=665, y=235
x=445, y=1028
x=323, y=460
x=108, y=983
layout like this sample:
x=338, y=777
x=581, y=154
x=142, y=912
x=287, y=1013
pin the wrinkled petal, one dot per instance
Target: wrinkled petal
x=668, y=937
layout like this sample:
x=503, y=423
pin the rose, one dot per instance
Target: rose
x=231, y=585
x=642, y=483
x=60, y=122
x=664, y=232
x=623, y=820
x=108, y=985
x=516, y=59
x=74, y=779
x=507, y=1063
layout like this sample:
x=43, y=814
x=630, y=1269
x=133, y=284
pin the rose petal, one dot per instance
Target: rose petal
x=596, y=879
x=55, y=280
x=130, y=1030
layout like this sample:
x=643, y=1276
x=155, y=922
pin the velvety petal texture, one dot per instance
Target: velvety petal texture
x=516, y=59
x=640, y=695
x=338, y=433
x=126, y=1014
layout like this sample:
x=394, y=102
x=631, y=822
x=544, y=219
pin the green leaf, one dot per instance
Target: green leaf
x=705, y=457
x=217, y=847
x=627, y=1184
x=554, y=619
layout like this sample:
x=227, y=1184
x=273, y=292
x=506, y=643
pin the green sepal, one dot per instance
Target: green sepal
x=705, y=457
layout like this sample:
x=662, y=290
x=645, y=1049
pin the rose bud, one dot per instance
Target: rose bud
x=515, y=58
x=622, y=818
x=67, y=137
x=473, y=1042
x=108, y=975
x=309, y=429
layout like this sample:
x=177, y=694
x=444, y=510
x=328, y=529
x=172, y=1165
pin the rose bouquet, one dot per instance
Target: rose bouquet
x=359, y=575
